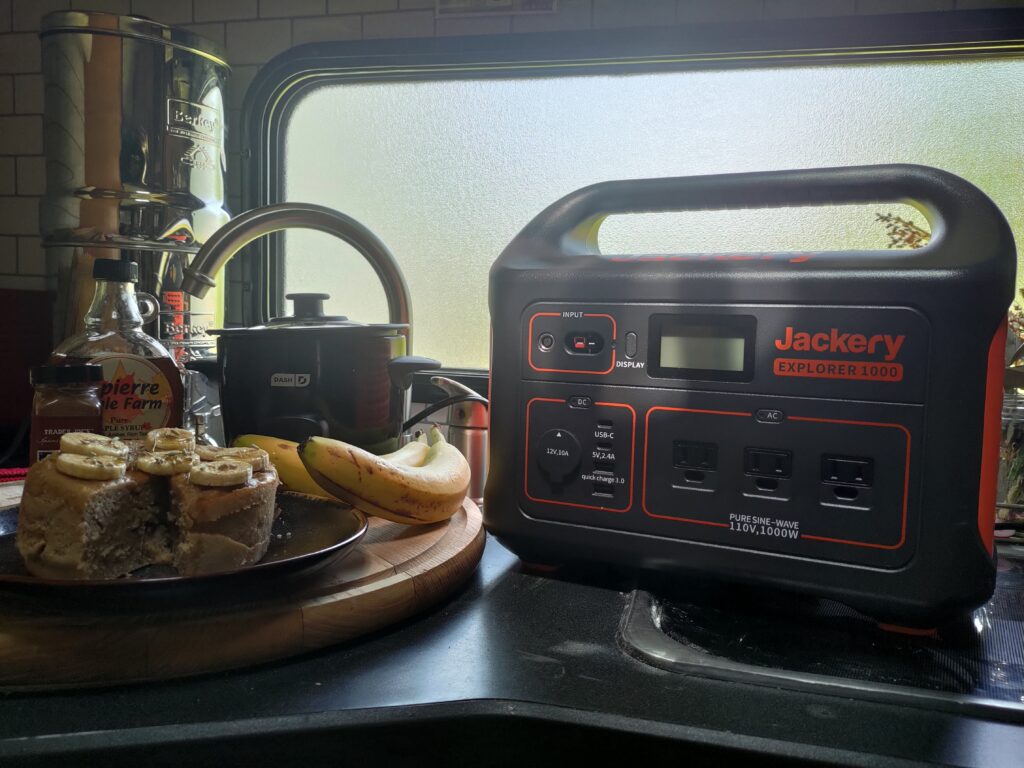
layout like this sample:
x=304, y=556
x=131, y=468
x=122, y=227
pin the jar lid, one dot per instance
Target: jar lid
x=115, y=271
x=86, y=373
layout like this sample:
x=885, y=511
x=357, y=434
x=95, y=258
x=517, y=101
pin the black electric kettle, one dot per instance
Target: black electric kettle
x=310, y=374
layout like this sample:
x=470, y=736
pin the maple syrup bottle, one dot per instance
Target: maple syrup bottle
x=142, y=385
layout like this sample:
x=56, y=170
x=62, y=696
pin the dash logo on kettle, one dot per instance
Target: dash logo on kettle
x=294, y=380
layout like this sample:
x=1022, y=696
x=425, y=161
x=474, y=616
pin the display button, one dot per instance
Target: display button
x=770, y=416
x=558, y=455
x=580, y=401
x=631, y=345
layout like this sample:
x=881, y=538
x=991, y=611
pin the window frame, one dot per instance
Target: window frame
x=282, y=83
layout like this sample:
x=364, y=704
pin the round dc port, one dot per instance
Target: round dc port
x=545, y=342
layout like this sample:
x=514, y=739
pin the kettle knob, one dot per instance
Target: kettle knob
x=308, y=304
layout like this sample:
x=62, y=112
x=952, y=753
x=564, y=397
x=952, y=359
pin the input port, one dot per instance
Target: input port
x=769, y=462
x=583, y=343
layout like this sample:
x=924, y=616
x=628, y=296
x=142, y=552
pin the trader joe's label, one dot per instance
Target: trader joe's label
x=139, y=394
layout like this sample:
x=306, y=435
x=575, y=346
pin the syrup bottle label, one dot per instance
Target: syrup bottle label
x=139, y=394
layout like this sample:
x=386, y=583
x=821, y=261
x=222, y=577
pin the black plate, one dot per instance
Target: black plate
x=309, y=533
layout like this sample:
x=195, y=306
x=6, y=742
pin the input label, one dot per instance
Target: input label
x=765, y=526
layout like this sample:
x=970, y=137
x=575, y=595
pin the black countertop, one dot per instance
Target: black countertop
x=522, y=664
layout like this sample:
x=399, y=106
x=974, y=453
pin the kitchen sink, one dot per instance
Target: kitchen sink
x=975, y=666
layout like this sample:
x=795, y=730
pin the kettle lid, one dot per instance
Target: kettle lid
x=309, y=316
x=308, y=309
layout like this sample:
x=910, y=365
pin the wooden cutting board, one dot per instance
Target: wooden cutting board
x=395, y=572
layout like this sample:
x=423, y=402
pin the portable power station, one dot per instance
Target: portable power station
x=821, y=421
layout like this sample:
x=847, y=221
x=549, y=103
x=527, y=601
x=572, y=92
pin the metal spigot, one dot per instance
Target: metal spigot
x=251, y=225
x=467, y=431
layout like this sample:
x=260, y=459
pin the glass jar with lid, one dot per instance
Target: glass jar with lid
x=67, y=399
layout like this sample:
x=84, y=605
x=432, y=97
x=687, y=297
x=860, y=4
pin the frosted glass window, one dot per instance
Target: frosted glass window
x=446, y=172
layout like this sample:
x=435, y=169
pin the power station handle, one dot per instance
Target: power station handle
x=943, y=198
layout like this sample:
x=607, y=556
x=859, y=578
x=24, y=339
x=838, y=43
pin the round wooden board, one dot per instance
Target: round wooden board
x=395, y=572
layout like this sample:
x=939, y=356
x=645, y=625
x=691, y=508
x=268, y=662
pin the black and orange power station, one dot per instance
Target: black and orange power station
x=822, y=421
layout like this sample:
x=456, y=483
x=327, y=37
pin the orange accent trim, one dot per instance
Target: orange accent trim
x=526, y=458
x=912, y=631
x=906, y=483
x=529, y=345
x=990, y=437
x=647, y=433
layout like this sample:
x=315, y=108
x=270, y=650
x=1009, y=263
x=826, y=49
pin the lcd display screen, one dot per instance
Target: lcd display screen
x=702, y=347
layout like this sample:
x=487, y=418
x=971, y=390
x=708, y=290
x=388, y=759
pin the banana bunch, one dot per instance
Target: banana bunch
x=285, y=458
x=423, y=486
x=419, y=483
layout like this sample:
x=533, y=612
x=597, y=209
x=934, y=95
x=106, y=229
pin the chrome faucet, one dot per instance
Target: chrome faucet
x=251, y=225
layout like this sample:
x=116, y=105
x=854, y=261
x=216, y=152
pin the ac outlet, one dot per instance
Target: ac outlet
x=768, y=462
x=847, y=470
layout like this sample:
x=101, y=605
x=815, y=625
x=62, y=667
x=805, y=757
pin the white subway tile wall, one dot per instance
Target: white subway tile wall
x=254, y=31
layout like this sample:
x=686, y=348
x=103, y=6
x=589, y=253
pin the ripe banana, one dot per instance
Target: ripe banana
x=295, y=477
x=250, y=454
x=166, y=463
x=90, y=467
x=88, y=444
x=170, y=439
x=220, y=473
x=428, y=493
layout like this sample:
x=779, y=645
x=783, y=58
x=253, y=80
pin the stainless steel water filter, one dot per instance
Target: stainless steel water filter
x=135, y=163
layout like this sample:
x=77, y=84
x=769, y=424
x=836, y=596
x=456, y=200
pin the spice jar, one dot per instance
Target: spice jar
x=67, y=399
